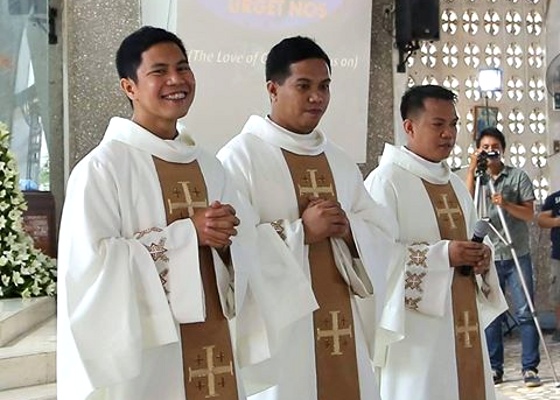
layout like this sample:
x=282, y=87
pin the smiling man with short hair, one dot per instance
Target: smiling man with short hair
x=154, y=262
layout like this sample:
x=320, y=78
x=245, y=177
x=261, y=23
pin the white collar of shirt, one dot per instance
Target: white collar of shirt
x=436, y=173
x=182, y=149
x=305, y=144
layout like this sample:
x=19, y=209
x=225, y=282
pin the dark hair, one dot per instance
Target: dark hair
x=129, y=54
x=413, y=99
x=492, y=132
x=289, y=51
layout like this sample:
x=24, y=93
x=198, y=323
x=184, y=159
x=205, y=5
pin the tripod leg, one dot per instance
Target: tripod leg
x=533, y=312
x=480, y=198
x=509, y=243
x=527, y=329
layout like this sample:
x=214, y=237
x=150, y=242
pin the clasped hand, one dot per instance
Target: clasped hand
x=323, y=219
x=215, y=225
x=469, y=253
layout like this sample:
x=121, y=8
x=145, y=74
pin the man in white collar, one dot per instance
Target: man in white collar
x=444, y=291
x=309, y=191
x=149, y=246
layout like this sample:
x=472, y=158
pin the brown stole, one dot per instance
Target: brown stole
x=335, y=347
x=468, y=349
x=208, y=368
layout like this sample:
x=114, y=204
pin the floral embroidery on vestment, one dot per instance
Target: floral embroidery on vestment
x=163, y=278
x=279, y=228
x=158, y=252
x=141, y=234
x=415, y=273
x=412, y=303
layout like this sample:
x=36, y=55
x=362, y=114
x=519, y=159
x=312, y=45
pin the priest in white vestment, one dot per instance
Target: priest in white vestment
x=132, y=276
x=266, y=159
x=418, y=335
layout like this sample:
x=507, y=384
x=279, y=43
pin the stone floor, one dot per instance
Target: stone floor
x=513, y=388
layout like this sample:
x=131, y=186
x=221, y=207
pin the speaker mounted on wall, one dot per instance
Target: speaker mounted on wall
x=414, y=20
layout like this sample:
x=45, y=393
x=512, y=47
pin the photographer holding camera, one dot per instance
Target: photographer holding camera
x=514, y=194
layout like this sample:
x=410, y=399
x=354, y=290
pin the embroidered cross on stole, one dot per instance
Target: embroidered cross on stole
x=335, y=347
x=208, y=368
x=468, y=348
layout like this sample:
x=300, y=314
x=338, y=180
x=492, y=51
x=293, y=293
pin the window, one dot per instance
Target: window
x=24, y=84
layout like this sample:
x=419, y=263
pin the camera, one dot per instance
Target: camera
x=484, y=155
x=482, y=160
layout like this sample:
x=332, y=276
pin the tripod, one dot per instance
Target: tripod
x=480, y=197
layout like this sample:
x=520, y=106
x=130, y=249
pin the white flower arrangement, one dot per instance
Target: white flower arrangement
x=24, y=270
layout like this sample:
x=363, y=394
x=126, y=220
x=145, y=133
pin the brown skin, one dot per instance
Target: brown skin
x=215, y=225
x=545, y=219
x=323, y=219
x=431, y=134
x=298, y=104
x=163, y=92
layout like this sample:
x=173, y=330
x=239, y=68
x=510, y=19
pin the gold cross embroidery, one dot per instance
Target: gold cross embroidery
x=412, y=302
x=314, y=189
x=210, y=372
x=414, y=281
x=158, y=250
x=189, y=203
x=335, y=333
x=448, y=211
x=163, y=278
x=417, y=257
x=466, y=329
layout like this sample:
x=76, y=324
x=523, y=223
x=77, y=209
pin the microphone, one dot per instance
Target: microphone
x=481, y=229
x=455, y=169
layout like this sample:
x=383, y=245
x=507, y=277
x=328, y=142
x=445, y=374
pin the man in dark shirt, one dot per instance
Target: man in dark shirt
x=549, y=217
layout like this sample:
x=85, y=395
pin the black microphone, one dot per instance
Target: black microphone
x=481, y=229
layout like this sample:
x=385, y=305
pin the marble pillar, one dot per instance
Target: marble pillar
x=380, y=115
x=93, y=30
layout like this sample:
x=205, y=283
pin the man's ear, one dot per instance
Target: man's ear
x=272, y=89
x=408, y=127
x=128, y=87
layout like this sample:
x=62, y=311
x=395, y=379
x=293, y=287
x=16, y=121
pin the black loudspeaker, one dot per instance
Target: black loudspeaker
x=416, y=20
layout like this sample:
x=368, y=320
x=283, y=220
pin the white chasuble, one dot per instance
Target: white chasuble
x=128, y=279
x=416, y=340
x=256, y=161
